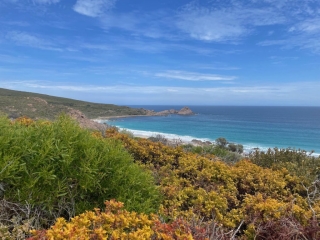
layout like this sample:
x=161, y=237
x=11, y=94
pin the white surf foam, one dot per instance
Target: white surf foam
x=166, y=135
x=247, y=147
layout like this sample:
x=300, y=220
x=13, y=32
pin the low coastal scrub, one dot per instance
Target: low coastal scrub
x=298, y=162
x=226, y=151
x=224, y=154
x=56, y=169
x=241, y=196
x=198, y=196
x=115, y=223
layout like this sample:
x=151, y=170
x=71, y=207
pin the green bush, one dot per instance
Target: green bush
x=223, y=153
x=64, y=170
x=298, y=162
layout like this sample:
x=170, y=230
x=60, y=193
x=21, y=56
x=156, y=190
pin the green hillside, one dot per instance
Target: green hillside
x=34, y=105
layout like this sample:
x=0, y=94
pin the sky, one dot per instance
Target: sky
x=168, y=52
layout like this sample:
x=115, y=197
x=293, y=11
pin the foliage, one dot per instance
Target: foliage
x=59, y=169
x=16, y=229
x=235, y=147
x=202, y=196
x=221, y=142
x=117, y=223
x=33, y=105
x=203, y=187
x=159, y=138
x=130, y=134
x=298, y=162
x=113, y=223
x=223, y=153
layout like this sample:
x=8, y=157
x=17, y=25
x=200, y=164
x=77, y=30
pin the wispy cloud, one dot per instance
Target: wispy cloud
x=215, y=66
x=26, y=39
x=144, y=89
x=298, y=93
x=45, y=1
x=93, y=8
x=224, y=24
x=154, y=25
x=16, y=23
x=40, y=2
x=309, y=26
x=4, y=58
x=256, y=90
x=192, y=76
x=304, y=35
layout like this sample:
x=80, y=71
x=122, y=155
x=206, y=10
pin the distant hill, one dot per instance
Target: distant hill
x=34, y=105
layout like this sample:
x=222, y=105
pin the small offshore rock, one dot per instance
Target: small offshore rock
x=185, y=111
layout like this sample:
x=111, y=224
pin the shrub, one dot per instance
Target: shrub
x=225, y=154
x=114, y=223
x=59, y=169
x=221, y=142
x=235, y=147
x=125, y=131
x=241, y=195
x=298, y=162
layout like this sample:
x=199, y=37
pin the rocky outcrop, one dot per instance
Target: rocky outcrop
x=166, y=112
x=185, y=111
x=147, y=112
x=197, y=142
x=85, y=122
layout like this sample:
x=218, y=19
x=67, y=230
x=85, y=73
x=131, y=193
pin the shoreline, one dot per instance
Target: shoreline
x=117, y=117
x=248, y=147
x=198, y=142
x=183, y=140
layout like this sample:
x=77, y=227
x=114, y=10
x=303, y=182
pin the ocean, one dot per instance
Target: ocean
x=253, y=127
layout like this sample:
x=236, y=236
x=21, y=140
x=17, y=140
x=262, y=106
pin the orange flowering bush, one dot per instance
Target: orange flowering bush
x=114, y=223
x=24, y=121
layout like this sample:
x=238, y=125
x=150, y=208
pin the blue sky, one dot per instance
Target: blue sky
x=177, y=52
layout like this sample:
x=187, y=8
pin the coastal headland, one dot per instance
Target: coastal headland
x=183, y=111
x=40, y=106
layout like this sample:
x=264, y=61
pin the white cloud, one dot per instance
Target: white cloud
x=26, y=39
x=192, y=76
x=93, y=8
x=34, y=1
x=203, y=24
x=299, y=93
x=45, y=1
x=154, y=25
x=224, y=24
x=309, y=26
x=143, y=89
x=304, y=35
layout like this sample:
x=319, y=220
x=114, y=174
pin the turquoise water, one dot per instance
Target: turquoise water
x=262, y=127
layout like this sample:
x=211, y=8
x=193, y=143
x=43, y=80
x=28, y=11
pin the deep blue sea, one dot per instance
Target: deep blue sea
x=261, y=127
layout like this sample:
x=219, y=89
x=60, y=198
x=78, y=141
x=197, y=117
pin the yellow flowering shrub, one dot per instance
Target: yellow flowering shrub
x=202, y=198
x=24, y=121
x=114, y=223
x=206, y=188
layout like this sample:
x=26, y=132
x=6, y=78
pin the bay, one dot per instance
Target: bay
x=253, y=127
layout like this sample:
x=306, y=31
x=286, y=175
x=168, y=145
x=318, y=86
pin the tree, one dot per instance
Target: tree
x=221, y=142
